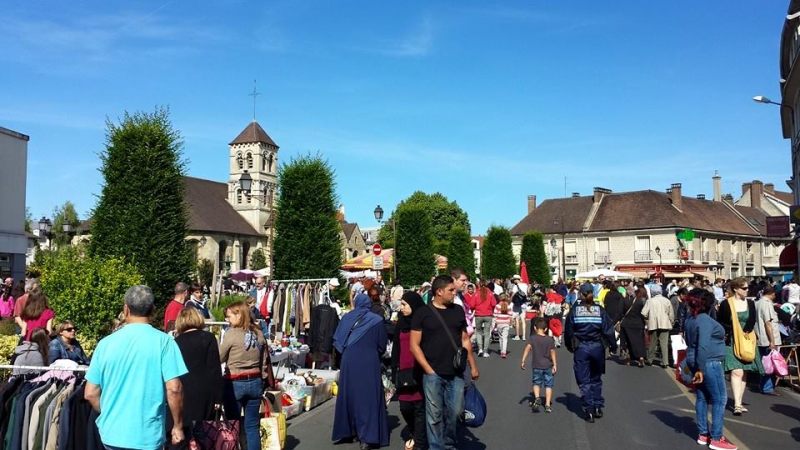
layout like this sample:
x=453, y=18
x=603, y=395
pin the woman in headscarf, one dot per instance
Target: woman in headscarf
x=408, y=375
x=360, y=406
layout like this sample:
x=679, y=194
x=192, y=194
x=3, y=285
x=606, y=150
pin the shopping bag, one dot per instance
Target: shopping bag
x=781, y=366
x=216, y=434
x=474, y=407
x=273, y=429
x=683, y=373
x=766, y=361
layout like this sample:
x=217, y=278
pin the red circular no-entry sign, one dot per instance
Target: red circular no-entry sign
x=376, y=249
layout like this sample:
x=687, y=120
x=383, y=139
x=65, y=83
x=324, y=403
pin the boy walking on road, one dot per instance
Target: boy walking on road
x=543, y=363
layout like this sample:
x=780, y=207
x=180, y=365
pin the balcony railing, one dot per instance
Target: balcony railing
x=571, y=258
x=642, y=256
x=735, y=258
x=602, y=257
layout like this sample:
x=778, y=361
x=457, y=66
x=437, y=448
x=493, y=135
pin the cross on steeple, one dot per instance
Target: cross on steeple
x=255, y=95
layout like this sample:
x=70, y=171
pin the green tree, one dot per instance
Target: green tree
x=28, y=219
x=141, y=214
x=415, y=263
x=87, y=290
x=535, y=259
x=307, y=241
x=258, y=260
x=64, y=214
x=205, y=272
x=443, y=213
x=460, y=253
x=497, y=256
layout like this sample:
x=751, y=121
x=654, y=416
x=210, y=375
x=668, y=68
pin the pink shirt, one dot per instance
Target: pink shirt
x=7, y=307
x=40, y=322
x=502, y=319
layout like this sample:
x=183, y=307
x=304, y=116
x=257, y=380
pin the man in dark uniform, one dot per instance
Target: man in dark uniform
x=587, y=332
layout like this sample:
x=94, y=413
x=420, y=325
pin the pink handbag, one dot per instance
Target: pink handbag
x=766, y=361
x=779, y=363
x=219, y=434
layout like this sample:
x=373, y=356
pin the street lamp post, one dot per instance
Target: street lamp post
x=658, y=252
x=45, y=229
x=554, y=246
x=379, y=217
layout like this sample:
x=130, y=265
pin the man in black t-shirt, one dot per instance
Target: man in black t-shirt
x=434, y=348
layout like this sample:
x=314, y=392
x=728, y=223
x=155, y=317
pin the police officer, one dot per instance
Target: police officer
x=587, y=332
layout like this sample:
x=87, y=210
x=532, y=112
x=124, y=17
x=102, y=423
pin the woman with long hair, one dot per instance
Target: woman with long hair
x=745, y=314
x=408, y=375
x=241, y=350
x=36, y=314
x=482, y=304
x=32, y=351
x=6, y=302
x=705, y=353
x=632, y=326
x=65, y=346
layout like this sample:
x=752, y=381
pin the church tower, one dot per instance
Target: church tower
x=253, y=153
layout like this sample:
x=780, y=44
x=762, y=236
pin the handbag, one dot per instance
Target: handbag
x=683, y=373
x=474, y=407
x=744, y=344
x=460, y=358
x=217, y=434
x=405, y=379
x=779, y=363
x=618, y=325
x=272, y=428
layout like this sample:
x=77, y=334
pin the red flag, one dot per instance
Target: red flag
x=523, y=273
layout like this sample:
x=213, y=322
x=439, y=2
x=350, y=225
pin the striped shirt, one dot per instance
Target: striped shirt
x=502, y=319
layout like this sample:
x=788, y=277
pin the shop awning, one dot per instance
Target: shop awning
x=788, y=258
x=677, y=274
x=705, y=274
x=643, y=274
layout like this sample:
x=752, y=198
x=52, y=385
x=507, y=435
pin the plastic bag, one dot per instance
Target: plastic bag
x=781, y=367
x=766, y=361
x=474, y=407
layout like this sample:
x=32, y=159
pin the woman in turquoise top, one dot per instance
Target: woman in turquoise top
x=746, y=316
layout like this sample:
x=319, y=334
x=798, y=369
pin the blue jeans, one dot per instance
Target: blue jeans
x=245, y=394
x=712, y=391
x=444, y=403
x=767, y=381
x=543, y=378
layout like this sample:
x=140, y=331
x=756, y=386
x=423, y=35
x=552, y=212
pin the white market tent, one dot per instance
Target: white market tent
x=608, y=273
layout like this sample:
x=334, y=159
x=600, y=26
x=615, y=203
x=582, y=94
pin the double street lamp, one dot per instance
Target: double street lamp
x=379, y=217
x=46, y=230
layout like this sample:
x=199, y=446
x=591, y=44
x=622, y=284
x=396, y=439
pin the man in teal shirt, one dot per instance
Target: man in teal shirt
x=132, y=372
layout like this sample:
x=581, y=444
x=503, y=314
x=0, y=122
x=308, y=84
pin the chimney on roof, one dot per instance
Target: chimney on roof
x=727, y=198
x=769, y=188
x=675, y=195
x=531, y=203
x=599, y=193
x=745, y=187
x=576, y=194
x=756, y=192
x=701, y=196
x=717, y=182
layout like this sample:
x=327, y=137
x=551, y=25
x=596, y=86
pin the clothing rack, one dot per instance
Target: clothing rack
x=44, y=368
x=304, y=280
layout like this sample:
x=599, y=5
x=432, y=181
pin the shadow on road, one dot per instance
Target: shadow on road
x=680, y=424
x=572, y=402
x=792, y=412
x=470, y=442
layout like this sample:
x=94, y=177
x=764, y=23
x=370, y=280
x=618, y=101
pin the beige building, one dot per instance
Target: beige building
x=13, y=239
x=637, y=232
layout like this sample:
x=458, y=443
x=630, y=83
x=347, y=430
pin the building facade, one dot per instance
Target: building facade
x=790, y=112
x=13, y=239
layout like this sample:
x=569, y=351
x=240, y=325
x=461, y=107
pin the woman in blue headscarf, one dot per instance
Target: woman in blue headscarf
x=360, y=405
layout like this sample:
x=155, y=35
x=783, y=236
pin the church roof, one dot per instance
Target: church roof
x=210, y=211
x=253, y=133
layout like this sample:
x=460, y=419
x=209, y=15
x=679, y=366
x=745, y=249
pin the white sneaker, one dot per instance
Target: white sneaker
x=485, y=354
x=515, y=338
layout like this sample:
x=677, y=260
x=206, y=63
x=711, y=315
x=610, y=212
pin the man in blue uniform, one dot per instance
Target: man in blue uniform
x=587, y=332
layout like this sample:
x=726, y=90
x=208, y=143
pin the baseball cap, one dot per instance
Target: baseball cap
x=587, y=288
x=516, y=277
x=334, y=282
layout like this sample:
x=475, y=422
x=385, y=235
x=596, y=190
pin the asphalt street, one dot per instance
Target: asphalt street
x=645, y=408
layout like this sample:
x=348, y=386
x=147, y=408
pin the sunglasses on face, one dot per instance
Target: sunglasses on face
x=70, y=329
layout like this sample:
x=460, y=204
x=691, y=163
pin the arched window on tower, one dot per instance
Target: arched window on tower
x=247, y=194
x=239, y=160
x=270, y=160
x=264, y=162
x=249, y=160
x=239, y=196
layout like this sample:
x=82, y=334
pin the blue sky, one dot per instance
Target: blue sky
x=485, y=102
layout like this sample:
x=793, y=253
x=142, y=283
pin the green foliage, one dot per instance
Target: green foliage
x=141, y=214
x=28, y=219
x=497, y=256
x=64, y=214
x=259, y=260
x=414, y=259
x=307, y=241
x=8, y=327
x=88, y=290
x=460, y=253
x=443, y=214
x=7, y=346
x=224, y=301
x=205, y=272
x=535, y=258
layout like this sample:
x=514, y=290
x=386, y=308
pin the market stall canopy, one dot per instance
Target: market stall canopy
x=242, y=275
x=643, y=274
x=677, y=274
x=705, y=274
x=788, y=258
x=364, y=262
x=608, y=273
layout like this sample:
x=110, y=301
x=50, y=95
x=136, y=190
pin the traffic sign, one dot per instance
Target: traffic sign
x=376, y=249
x=377, y=262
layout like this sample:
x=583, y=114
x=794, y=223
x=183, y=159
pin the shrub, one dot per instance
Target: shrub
x=498, y=256
x=415, y=263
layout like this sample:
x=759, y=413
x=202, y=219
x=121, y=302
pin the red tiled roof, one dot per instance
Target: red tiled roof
x=253, y=133
x=786, y=197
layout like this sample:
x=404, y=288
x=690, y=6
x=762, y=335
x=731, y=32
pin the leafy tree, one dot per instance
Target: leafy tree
x=498, y=257
x=307, y=232
x=141, y=214
x=28, y=219
x=65, y=214
x=460, y=252
x=535, y=258
x=88, y=290
x=444, y=215
x=258, y=260
x=415, y=263
x=205, y=272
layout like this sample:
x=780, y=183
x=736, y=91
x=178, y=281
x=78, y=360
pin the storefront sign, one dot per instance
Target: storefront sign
x=778, y=226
